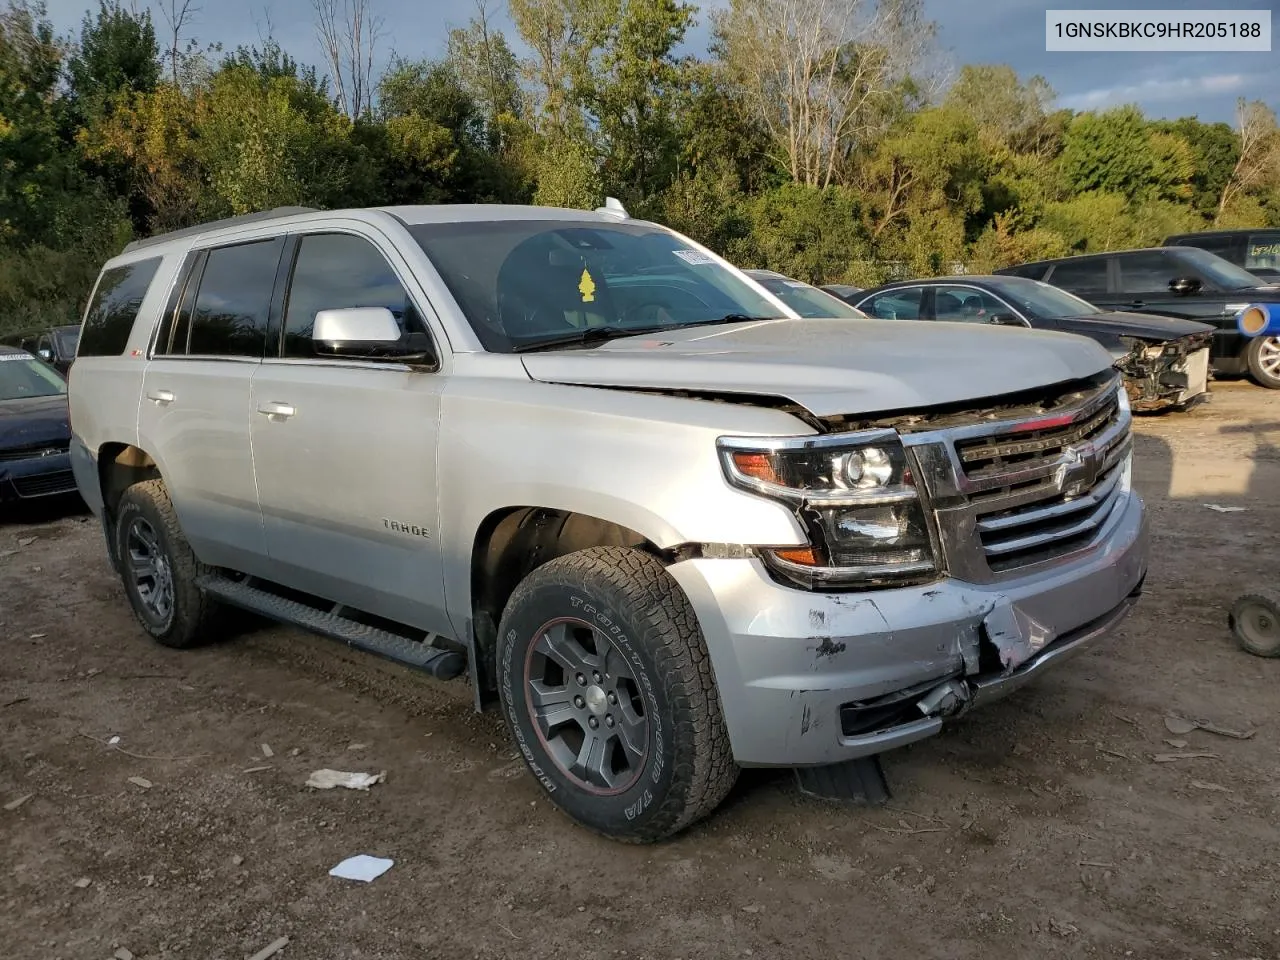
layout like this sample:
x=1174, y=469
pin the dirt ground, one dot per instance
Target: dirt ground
x=1041, y=826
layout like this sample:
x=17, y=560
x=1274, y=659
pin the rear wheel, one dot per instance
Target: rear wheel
x=1263, y=356
x=606, y=686
x=159, y=569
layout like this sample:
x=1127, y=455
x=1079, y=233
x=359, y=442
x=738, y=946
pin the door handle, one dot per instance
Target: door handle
x=161, y=396
x=277, y=411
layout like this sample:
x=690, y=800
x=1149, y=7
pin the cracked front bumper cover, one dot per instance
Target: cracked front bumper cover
x=809, y=679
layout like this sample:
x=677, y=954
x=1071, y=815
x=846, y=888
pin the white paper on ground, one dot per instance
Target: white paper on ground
x=328, y=779
x=362, y=867
x=1217, y=509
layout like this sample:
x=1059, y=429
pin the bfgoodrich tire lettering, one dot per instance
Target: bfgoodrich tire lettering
x=626, y=610
x=159, y=569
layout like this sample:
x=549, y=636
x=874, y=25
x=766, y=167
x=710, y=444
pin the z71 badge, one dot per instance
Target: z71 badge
x=411, y=529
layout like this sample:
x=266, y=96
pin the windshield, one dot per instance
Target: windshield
x=1042, y=299
x=803, y=299
x=521, y=282
x=23, y=376
x=1222, y=273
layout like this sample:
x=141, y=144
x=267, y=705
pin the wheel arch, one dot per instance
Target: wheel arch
x=509, y=544
x=120, y=466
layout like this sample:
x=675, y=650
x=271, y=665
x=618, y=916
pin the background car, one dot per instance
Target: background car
x=844, y=291
x=1174, y=281
x=804, y=298
x=1258, y=251
x=53, y=345
x=35, y=429
x=1165, y=361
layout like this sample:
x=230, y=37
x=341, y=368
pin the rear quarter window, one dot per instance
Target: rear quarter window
x=115, y=305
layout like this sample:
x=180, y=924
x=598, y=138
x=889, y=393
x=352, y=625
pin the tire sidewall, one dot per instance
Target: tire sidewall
x=1254, y=358
x=131, y=508
x=636, y=807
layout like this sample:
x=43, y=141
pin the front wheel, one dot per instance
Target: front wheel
x=1263, y=357
x=607, y=688
x=1255, y=621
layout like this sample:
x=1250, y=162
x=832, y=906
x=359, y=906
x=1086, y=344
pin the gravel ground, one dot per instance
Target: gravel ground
x=1041, y=826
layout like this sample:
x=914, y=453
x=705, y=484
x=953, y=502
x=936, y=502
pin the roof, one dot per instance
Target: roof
x=1100, y=253
x=1238, y=231
x=410, y=215
x=966, y=278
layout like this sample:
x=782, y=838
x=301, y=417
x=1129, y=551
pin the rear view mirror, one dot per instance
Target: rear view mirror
x=1183, y=286
x=367, y=333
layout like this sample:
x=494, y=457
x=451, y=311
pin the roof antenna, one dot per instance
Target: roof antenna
x=613, y=208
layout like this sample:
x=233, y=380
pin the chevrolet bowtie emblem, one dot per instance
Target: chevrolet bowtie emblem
x=1078, y=469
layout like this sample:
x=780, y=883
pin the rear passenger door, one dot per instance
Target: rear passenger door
x=1087, y=278
x=345, y=449
x=195, y=410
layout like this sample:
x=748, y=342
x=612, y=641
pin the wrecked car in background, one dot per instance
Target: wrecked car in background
x=35, y=429
x=669, y=527
x=1165, y=361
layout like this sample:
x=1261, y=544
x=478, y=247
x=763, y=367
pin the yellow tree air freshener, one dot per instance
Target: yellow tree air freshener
x=587, y=287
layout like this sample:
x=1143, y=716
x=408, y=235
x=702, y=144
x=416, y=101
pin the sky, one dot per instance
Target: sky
x=968, y=31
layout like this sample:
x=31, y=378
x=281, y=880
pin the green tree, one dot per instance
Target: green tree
x=117, y=53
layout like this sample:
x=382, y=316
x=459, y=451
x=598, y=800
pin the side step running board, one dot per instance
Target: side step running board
x=441, y=664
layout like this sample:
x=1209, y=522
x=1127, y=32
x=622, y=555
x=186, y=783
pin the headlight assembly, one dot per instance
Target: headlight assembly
x=856, y=498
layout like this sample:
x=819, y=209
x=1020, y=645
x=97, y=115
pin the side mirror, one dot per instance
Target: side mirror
x=367, y=333
x=45, y=354
x=1004, y=320
x=1183, y=286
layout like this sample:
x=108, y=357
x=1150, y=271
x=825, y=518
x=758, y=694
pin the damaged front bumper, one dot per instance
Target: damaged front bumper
x=1172, y=374
x=816, y=678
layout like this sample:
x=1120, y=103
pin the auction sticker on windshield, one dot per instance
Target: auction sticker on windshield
x=696, y=257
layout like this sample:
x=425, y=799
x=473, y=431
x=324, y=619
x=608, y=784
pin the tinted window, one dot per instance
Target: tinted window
x=1225, y=245
x=1078, y=275
x=1263, y=252
x=522, y=283
x=115, y=306
x=234, y=300
x=1148, y=272
x=965, y=304
x=1033, y=271
x=803, y=299
x=334, y=271
x=895, y=304
x=1225, y=275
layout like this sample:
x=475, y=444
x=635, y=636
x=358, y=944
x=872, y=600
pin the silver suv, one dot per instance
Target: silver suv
x=670, y=527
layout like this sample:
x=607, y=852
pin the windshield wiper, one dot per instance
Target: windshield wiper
x=594, y=335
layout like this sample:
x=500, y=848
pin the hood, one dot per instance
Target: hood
x=833, y=367
x=1143, y=325
x=33, y=420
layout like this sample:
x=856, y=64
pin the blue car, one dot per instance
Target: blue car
x=35, y=429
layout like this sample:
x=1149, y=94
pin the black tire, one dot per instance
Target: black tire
x=1255, y=621
x=1254, y=355
x=146, y=513
x=624, y=601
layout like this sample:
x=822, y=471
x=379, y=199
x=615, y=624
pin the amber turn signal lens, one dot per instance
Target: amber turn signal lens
x=758, y=466
x=800, y=555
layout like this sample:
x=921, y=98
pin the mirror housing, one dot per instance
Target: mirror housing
x=1004, y=320
x=367, y=333
x=45, y=354
x=1183, y=286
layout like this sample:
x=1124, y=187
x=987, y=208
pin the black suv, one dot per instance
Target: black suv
x=1173, y=281
x=1258, y=251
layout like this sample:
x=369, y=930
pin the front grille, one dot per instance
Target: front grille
x=46, y=484
x=35, y=451
x=1022, y=491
